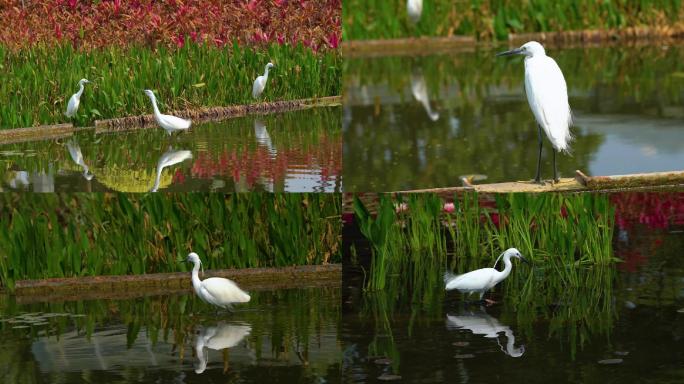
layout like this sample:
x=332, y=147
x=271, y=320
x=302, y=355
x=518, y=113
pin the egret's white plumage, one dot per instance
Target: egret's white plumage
x=215, y=290
x=482, y=280
x=219, y=337
x=414, y=8
x=168, y=122
x=547, y=95
x=77, y=157
x=260, y=82
x=169, y=158
x=75, y=99
x=481, y=323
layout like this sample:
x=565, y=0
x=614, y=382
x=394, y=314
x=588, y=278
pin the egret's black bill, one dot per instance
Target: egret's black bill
x=516, y=51
x=524, y=260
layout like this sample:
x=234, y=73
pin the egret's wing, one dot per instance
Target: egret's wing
x=472, y=281
x=176, y=122
x=224, y=290
x=173, y=157
x=258, y=86
x=72, y=106
x=547, y=95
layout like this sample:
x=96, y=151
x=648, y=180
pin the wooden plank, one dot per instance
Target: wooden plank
x=407, y=46
x=639, y=180
x=43, y=132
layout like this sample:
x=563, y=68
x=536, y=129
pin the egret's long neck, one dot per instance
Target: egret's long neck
x=195, y=277
x=266, y=72
x=157, y=180
x=154, y=105
x=80, y=90
x=508, y=266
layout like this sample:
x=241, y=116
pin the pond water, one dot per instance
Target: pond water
x=293, y=152
x=630, y=329
x=280, y=336
x=422, y=122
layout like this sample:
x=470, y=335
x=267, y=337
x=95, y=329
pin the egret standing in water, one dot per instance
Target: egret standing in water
x=414, y=8
x=260, y=82
x=482, y=280
x=168, y=122
x=547, y=95
x=215, y=290
x=75, y=99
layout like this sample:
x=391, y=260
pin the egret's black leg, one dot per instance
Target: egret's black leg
x=537, y=179
x=555, y=172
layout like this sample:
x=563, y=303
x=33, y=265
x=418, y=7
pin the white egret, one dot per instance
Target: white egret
x=481, y=323
x=77, y=157
x=547, y=95
x=215, y=290
x=484, y=279
x=260, y=82
x=169, y=158
x=420, y=93
x=75, y=99
x=414, y=8
x=168, y=122
x=219, y=337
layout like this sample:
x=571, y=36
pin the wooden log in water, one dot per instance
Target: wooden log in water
x=639, y=180
x=43, y=132
x=136, y=285
x=217, y=113
x=407, y=46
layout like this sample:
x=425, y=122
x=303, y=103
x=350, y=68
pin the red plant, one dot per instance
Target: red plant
x=91, y=24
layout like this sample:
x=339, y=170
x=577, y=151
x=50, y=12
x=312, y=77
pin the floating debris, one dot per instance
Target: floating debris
x=460, y=343
x=20, y=326
x=383, y=361
x=681, y=310
x=389, y=377
x=621, y=353
x=610, y=361
x=464, y=356
x=629, y=304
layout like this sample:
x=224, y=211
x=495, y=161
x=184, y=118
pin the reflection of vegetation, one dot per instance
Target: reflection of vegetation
x=101, y=234
x=228, y=149
x=485, y=125
x=568, y=238
x=189, y=77
x=290, y=325
x=377, y=19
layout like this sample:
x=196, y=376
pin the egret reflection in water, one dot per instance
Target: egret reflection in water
x=481, y=323
x=219, y=337
x=77, y=157
x=167, y=159
x=420, y=92
x=263, y=138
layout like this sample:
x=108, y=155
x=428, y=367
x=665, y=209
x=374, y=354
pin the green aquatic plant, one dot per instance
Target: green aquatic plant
x=39, y=80
x=64, y=235
x=496, y=19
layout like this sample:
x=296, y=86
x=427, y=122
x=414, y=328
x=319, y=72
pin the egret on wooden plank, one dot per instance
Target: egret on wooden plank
x=75, y=99
x=547, y=95
x=215, y=290
x=168, y=122
x=260, y=82
x=482, y=280
x=414, y=8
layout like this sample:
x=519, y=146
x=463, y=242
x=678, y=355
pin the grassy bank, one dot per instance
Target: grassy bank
x=39, y=81
x=65, y=235
x=496, y=19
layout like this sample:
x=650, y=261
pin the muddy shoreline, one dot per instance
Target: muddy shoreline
x=55, y=131
x=122, y=287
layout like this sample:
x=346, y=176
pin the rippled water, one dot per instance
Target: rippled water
x=422, y=122
x=633, y=335
x=283, y=336
x=293, y=152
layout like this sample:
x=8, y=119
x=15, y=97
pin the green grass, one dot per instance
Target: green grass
x=496, y=19
x=64, y=235
x=39, y=81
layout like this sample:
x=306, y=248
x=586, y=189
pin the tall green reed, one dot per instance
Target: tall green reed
x=65, y=235
x=40, y=80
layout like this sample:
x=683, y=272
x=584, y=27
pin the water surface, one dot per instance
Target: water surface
x=422, y=122
x=291, y=152
x=287, y=336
